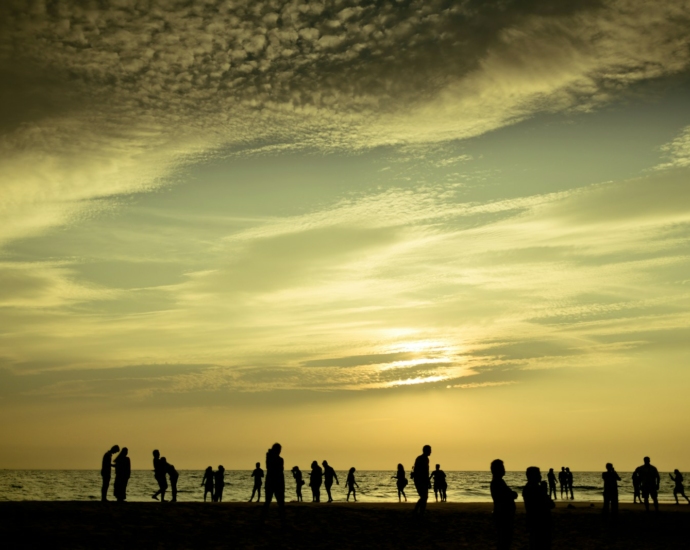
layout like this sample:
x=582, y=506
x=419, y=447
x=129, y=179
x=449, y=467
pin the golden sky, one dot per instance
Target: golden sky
x=353, y=227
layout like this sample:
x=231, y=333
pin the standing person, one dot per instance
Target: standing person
x=678, y=489
x=315, y=480
x=275, y=480
x=159, y=475
x=328, y=476
x=563, y=482
x=106, y=469
x=551, y=476
x=538, y=510
x=207, y=482
x=351, y=484
x=219, y=478
x=258, y=475
x=649, y=483
x=420, y=475
x=504, y=505
x=569, y=480
x=611, y=479
x=123, y=470
x=637, y=497
x=297, y=474
x=439, y=483
x=401, y=482
x=172, y=473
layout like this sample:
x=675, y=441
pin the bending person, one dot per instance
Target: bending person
x=328, y=476
x=106, y=470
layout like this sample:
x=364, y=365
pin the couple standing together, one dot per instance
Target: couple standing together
x=123, y=470
x=161, y=468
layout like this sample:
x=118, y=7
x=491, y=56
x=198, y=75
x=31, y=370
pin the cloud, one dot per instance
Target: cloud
x=677, y=151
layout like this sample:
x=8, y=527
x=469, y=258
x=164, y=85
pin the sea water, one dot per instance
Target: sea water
x=375, y=486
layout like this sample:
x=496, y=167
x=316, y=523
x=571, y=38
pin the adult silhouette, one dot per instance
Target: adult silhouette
x=315, y=480
x=173, y=475
x=219, y=483
x=275, y=480
x=328, y=476
x=438, y=477
x=420, y=475
x=563, y=481
x=123, y=470
x=106, y=470
x=258, y=475
x=678, y=488
x=504, y=505
x=351, y=484
x=297, y=474
x=569, y=479
x=637, y=496
x=551, y=477
x=538, y=506
x=159, y=475
x=207, y=482
x=649, y=483
x=611, y=479
x=401, y=482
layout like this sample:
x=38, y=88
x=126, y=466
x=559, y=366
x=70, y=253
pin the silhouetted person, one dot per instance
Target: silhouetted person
x=563, y=481
x=649, y=483
x=258, y=475
x=351, y=484
x=678, y=489
x=106, y=470
x=439, y=483
x=297, y=474
x=328, y=476
x=420, y=475
x=551, y=477
x=173, y=475
x=123, y=470
x=275, y=480
x=159, y=475
x=611, y=479
x=219, y=483
x=315, y=480
x=569, y=479
x=207, y=482
x=401, y=482
x=538, y=510
x=504, y=505
x=637, y=497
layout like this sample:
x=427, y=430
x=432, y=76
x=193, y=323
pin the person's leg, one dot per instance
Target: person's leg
x=258, y=494
x=354, y=494
x=607, y=504
x=104, y=487
x=614, y=505
x=267, y=501
x=280, y=499
x=328, y=492
x=173, y=489
x=675, y=495
x=655, y=498
x=645, y=499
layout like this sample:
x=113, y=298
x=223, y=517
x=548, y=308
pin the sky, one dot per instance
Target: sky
x=351, y=226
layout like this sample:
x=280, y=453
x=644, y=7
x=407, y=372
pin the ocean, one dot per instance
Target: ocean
x=376, y=486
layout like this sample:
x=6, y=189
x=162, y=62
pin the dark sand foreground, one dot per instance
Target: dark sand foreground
x=338, y=525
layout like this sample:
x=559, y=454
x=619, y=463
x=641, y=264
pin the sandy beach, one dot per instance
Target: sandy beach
x=337, y=525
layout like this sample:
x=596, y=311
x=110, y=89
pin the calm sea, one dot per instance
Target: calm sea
x=376, y=486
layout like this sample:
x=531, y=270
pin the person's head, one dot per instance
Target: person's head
x=646, y=460
x=567, y=469
x=609, y=467
x=258, y=464
x=124, y=451
x=314, y=464
x=164, y=460
x=562, y=468
x=676, y=471
x=295, y=469
x=324, y=463
x=497, y=468
x=115, y=449
x=220, y=468
x=209, y=470
x=551, y=470
x=156, y=453
x=426, y=450
x=533, y=474
x=401, y=468
x=276, y=448
x=352, y=470
x=438, y=466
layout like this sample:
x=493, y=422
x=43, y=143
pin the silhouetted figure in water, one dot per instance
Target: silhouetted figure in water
x=123, y=470
x=569, y=479
x=637, y=497
x=173, y=475
x=351, y=484
x=439, y=483
x=258, y=475
x=275, y=480
x=219, y=483
x=649, y=483
x=401, y=482
x=207, y=482
x=678, y=489
x=611, y=479
x=563, y=481
x=420, y=475
x=106, y=470
x=538, y=510
x=297, y=474
x=551, y=477
x=315, y=480
x=159, y=475
x=328, y=476
x=504, y=505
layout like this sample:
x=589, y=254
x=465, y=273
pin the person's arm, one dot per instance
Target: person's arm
x=671, y=476
x=658, y=480
x=336, y=478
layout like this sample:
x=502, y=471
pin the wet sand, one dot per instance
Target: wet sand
x=337, y=525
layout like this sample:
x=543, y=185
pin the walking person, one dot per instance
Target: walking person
x=123, y=471
x=569, y=480
x=504, y=506
x=106, y=470
x=297, y=474
x=420, y=475
x=174, y=476
x=538, y=510
x=207, y=482
x=551, y=477
x=611, y=479
x=649, y=483
x=678, y=489
x=219, y=484
x=315, y=480
x=275, y=480
x=258, y=475
x=351, y=484
x=159, y=475
x=328, y=476
x=401, y=482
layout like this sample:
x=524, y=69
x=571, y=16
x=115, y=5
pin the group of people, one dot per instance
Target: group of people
x=565, y=479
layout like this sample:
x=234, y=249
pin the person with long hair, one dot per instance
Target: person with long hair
x=297, y=474
x=123, y=470
x=351, y=484
x=315, y=480
x=207, y=483
x=401, y=482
